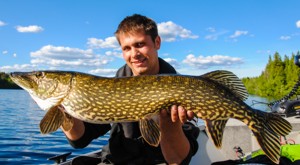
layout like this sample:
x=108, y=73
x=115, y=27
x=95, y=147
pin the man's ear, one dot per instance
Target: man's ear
x=157, y=42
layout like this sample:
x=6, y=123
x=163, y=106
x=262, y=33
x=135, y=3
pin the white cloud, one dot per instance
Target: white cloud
x=214, y=34
x=109, y=42
x=173, y=62
x=285, y=37
x=210, y=61
x=104, y=72
x=298, y=24
x=2, y=23
x=4, y=52
x=114, y=53
x=211, y=37
x=238, y=33
x=29, y=29
x=211, y=29
x=59, y=56
x=51, y=51
x=169, y=32
x=17, y=67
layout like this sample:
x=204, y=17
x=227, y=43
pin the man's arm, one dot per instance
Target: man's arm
x=81, y=134
x=174, y=144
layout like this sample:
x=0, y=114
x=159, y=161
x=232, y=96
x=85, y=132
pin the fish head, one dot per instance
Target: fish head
x=47, y=88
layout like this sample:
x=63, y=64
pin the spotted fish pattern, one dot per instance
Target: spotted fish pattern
x=214, y=97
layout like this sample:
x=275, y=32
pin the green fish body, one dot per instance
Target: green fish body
x=214, y=97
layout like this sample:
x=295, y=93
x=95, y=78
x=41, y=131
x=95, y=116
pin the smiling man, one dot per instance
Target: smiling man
x=140, y=42
x=140, y=52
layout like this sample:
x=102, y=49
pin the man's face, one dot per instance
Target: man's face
x=140, y=52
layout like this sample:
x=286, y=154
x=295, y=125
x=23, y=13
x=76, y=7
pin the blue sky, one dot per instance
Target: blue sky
x=198, y=35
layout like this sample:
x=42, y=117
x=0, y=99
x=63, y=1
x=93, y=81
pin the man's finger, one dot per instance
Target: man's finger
x=174, y=113
x=190, y=115
x=182, y=114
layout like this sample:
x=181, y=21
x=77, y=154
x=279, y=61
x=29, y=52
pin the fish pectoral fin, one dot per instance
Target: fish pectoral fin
x=68, y=122
x=52, y=120
x=215, y=129
x=150, y=131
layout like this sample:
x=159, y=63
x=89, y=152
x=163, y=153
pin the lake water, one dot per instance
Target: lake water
x=21, y=141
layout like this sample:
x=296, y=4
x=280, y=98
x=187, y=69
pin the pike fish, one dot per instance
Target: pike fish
x=214, y=97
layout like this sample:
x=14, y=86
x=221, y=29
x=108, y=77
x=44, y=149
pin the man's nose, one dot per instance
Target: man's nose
x=136, y=52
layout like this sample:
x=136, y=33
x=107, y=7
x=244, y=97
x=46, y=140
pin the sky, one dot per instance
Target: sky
x=198, y=36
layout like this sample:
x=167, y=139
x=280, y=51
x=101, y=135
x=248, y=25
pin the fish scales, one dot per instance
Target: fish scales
x=119, y=96
x=214, y=97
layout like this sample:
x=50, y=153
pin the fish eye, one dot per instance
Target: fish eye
x=40, y=74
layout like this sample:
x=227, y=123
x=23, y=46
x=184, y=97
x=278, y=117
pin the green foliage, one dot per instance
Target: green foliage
x=277, y=80
x=6, y=82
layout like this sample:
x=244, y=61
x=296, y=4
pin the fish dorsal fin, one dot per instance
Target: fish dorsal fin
x=230, y=80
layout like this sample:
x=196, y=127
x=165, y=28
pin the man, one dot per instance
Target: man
x=140, y=42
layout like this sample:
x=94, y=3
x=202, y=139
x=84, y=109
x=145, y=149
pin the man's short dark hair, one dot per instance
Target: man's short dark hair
x=137, y=23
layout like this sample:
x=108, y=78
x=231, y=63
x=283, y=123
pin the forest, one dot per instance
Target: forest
x=277, y=79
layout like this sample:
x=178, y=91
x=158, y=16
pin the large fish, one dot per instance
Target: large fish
x=214, y=97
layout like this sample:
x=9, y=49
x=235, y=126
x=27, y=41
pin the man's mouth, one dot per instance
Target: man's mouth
x=139, y=62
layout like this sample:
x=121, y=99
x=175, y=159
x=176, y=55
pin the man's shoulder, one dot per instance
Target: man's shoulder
x=165, y=67
x=124, y=71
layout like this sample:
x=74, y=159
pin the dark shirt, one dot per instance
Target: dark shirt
x=126, y=143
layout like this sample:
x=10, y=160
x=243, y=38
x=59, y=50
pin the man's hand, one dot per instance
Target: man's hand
x=174, y=144
x=179, y=113
x=76, y=131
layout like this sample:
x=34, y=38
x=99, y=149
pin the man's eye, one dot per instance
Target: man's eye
x=139, y=45
x=125, y=49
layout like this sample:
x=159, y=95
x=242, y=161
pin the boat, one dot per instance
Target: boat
x=238, y=143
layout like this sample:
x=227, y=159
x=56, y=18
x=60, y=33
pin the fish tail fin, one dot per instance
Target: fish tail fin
x=277, y=124
x=215, y=129
x=55, y=118
x=267, y=130
x=269, y=143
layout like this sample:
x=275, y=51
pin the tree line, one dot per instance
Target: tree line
x=278, y=78
x=6, y=82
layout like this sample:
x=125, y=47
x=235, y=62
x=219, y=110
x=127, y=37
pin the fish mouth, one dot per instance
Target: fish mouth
x=19, y=75
x=23, y=79
x=14, y=74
